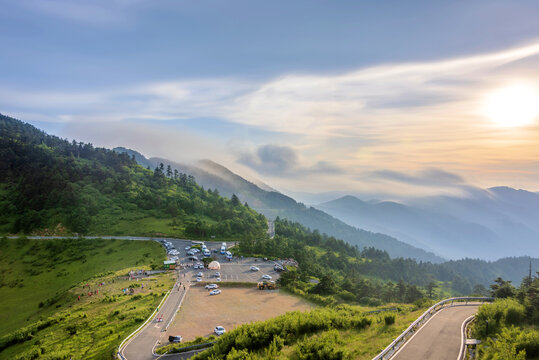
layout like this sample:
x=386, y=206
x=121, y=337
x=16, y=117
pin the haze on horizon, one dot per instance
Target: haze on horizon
x=392, y=99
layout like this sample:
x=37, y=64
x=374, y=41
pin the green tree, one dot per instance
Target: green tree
x=430, y=288
x=502, y=289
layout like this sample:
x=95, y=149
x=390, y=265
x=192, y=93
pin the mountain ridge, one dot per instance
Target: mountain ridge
x=273, y=204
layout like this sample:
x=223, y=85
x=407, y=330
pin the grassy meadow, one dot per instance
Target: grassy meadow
x=40, y=284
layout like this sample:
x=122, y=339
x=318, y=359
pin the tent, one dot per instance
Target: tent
x=214, y=265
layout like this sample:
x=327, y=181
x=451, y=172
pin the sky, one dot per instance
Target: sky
x=393, y=98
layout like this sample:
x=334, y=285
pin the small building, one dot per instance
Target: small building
x=169, y=264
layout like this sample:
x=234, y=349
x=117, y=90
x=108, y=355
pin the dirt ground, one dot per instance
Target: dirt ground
x=201, y=312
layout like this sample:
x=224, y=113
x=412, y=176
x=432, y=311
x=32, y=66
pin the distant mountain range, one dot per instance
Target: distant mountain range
x=486, y=224
x=272, y=204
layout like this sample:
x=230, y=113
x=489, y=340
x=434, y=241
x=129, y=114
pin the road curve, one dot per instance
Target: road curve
x=440, y=337
x=140, y=347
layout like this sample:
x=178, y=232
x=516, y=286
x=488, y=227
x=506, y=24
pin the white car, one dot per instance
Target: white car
x=254, y=268
x=266, y=277
x=219, y=330
x=217, y=274
x=187, y=248
x=175, y=339
x=211, y=286
x=199, y=279
x=218, y=279
x=215, y=292
x=199, y=274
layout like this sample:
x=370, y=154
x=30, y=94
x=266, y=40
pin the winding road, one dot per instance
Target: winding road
x=440, y=337
x=141, y=345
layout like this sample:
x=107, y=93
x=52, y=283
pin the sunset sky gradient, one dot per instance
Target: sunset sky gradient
x=307, y=96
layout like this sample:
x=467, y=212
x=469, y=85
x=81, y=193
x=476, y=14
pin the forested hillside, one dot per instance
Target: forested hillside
x=347, y=273
x=51, y=186
x=272, y=204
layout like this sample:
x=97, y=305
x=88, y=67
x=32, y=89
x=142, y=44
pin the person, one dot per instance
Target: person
x=78, y=298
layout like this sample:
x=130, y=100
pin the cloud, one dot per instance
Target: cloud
x=404, y=117
x=96, y=13
x=283, y=160
x=425, y=177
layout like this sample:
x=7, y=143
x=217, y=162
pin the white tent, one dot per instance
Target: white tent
x=214, y=265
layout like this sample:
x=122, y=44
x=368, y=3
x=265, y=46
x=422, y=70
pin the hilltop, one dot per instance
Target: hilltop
x=51, y=186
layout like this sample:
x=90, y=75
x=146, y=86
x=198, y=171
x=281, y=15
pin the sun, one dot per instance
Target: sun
x=512, y=106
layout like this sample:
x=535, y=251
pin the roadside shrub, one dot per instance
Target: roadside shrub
x=511, y=343
x=369, y=301
x=491, y=318
x=289, y=327
x=321, y=347
x=389, y=319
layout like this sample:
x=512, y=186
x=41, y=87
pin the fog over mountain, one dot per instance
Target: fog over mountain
x=487, y=224
x=483, y=223
x=273, y=204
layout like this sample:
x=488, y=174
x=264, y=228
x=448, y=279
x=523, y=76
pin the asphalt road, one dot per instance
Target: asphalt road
x=140, y=347
x=439, y=338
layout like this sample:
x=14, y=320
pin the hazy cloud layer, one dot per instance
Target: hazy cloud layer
x=278, y=160
x=425, y=177
x=413, y=118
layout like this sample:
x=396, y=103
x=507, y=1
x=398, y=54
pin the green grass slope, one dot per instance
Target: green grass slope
x=41, y=315
x=36, y=275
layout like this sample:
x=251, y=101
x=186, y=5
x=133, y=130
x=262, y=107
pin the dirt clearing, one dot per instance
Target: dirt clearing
x=201, y=312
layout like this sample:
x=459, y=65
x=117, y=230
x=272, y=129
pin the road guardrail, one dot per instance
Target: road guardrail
x=392, y=348
x=120, y=348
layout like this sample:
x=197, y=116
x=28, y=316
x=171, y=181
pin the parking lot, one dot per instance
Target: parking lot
x=236, y=270
x=201, y=312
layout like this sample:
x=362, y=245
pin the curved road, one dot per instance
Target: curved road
x=140, y=347
x=440, y=337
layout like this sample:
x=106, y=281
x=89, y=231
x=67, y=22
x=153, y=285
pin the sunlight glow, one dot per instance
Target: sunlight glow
x=512, y=106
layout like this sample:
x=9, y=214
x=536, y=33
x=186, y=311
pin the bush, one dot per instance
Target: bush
x=389, y=319
x=289, y=327
x=511, y=343
x=321, y=348
x=491, y=318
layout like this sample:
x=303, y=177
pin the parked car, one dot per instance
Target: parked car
x=187, y=248
x=215, y=292
x=218, y=279
x=219, y=330
x=211, y=286
x=217, y=274
x=266, y=277
x=254, y=268
x=175, y=338
x=199, y=279
x=199, y=274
